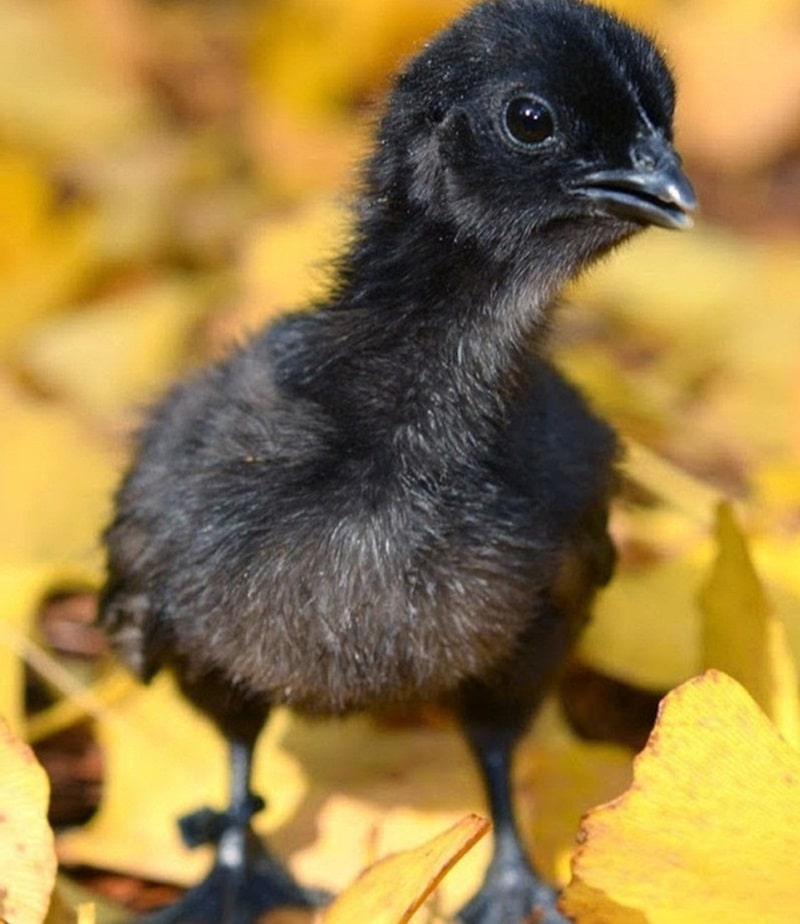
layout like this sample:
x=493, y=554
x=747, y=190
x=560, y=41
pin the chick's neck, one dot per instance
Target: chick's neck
x=423, y=314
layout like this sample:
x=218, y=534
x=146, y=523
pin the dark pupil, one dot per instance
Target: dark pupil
x=528, y=121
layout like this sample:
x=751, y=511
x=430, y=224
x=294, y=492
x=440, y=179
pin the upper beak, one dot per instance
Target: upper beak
x=653, y=190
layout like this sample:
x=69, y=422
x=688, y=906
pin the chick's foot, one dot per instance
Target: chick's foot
x=512, y=896
x=244, y=883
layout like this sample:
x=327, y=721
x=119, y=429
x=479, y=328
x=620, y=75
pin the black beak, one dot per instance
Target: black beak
x=654, y=190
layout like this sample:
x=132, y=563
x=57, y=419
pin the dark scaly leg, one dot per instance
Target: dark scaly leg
x=494, y=716
x=512, y=891
x=246, y=880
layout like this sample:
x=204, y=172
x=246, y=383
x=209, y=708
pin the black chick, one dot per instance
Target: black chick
x=393, y=497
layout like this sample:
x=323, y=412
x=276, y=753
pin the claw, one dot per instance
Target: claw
x=243, y=883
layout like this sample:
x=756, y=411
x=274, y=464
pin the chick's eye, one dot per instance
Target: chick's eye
x=528, y=121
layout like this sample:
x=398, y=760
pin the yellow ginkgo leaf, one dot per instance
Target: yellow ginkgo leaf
x=339, y=794
x=27, y=858
x=558, y=778
x=377, y=790
x=370, y=791
x=163, y=760
x=742, y=634
x=709, y=829
x=662, y=593
x=392, y=890
x=637, y=607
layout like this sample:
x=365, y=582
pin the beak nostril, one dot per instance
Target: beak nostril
x=653, y=152
x=644, y=160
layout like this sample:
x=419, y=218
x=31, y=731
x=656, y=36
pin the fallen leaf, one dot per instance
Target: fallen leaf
x=27, y=857
x=662, y=593
x=328, y=785
x=137, y=193
x=638, y=607
x=161, y=760
x=742, y=634
x=389, y=788
x=393, y=889
x=558, y=777
x=687, y=362
x=709, y=829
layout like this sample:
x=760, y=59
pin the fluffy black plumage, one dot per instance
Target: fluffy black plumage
x=393, y=496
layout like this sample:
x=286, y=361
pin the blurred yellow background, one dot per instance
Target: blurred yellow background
x=174, y=173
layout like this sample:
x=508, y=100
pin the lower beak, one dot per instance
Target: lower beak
x=655, y=191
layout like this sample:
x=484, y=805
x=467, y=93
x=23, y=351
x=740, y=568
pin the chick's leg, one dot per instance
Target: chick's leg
x=245, y=880
x=512, y=891
x=494, y=716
